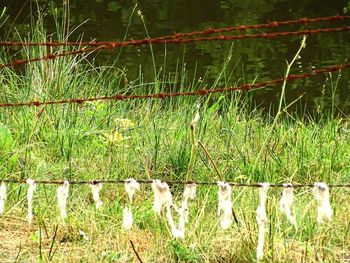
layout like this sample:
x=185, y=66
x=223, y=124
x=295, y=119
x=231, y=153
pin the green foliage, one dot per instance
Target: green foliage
x=182, y=253
x=150, y=139
x=3, y=12
x=6, y=139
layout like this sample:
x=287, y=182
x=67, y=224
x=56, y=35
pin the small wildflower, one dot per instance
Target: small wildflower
x=196, y=117
x=124, y=123
x=139, y=13
x=113, y=138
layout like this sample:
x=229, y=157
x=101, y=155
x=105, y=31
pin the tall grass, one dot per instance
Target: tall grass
x=151, y=138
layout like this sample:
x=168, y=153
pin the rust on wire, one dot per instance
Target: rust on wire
x=203, y=92
x=18, y=62
x=112, y=45
x=170, y=182
x=178, y=36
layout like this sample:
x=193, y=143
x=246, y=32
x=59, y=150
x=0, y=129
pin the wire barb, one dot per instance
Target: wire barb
x=165, y=40
x=172, y=182
x=244, y=87
x=178, y=36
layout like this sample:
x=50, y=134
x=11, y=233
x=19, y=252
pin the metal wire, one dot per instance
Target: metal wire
x=170, y=182
x=202, y=92
x=113, y=45
x=208, y=31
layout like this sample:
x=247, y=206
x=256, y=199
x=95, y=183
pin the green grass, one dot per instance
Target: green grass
x=151, y=138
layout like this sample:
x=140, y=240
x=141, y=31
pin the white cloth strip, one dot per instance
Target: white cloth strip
x=162, y=195
x=175, y=232
x=62, y=197
x=261, y=219
x=321, y=194
x=131, y=185
x=127, y=218
x=2, y=197
x=189, y=193
x=286, y=203
x=31, y=187
x=225, y=204
x=95, y=190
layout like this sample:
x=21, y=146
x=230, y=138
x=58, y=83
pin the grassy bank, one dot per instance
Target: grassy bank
x=150, y=139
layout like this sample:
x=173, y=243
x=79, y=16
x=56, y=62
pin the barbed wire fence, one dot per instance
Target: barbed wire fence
x=112, y=45
x=178, y=38
x=170, y=182
x=320, y=189
x=202, y=92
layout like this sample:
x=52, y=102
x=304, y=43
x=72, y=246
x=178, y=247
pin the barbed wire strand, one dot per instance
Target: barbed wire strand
x=18, y=62
x=203, y=92
x=113, y=45
x=170, y=182
x=208, y=31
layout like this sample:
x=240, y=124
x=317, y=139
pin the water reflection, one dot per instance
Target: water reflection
x=262, y=58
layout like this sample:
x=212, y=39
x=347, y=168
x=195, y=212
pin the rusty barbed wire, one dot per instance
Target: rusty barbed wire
x=113, y=45
x=170, y=182
x=19, y=62
x=207, y=31
x=202, y=92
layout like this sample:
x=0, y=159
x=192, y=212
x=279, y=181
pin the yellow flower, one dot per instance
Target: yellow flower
x=114, y=138
x=124, y=123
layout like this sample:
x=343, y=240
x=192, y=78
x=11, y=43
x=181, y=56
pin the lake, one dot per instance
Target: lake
x=251, y=59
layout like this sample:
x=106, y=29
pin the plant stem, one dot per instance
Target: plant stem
x=193, y=152
x=211, y=160
x=282, y=98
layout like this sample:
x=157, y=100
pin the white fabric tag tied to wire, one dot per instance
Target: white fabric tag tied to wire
x=175, y=232
x=225, y=204
x=95, y=190
x=162, y=195
x=261, y=219
x=2, y=197
x=324, y=210
x=286, y=203
x=189, y=193
x=62, y=197
x=31, y=187
x=183, y=212
x=131, y=185
x=127, y=218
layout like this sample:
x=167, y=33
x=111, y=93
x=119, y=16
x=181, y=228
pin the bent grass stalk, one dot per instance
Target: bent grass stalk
x=282, y=98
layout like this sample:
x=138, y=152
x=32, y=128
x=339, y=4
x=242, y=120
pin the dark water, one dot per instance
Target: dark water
x=259, y=59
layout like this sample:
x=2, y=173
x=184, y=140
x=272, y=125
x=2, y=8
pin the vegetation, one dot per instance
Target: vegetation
x=151, y=139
